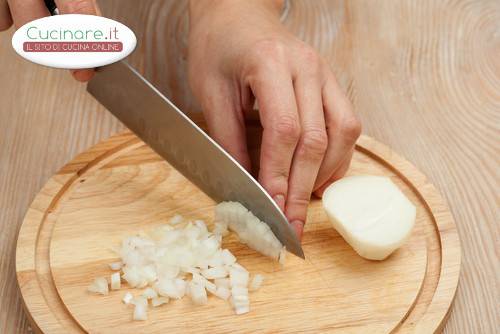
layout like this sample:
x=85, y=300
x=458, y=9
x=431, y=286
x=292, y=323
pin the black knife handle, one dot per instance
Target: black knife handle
x=51, y=6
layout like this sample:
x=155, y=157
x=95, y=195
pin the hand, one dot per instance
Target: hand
x=20, y=12
x=238, y=52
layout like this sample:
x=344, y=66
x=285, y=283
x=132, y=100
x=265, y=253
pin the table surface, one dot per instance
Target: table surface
x=424, y=77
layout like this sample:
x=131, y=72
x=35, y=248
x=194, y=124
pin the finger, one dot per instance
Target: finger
x=309, y=152
x=280, y=121
x=87, y=7
x=83, y=75
x=24, y=11
x=343, y=129
x=337, y=174
x=5, y=18
x=225, y=122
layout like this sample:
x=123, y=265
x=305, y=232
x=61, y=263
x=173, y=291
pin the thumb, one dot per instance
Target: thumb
x=87, y=7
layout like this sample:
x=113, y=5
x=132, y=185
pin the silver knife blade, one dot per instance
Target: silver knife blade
x=171, y=134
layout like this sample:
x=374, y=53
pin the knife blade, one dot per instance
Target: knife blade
x=171, y=134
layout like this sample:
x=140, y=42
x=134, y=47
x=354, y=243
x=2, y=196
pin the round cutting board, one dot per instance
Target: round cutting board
x=120, y=187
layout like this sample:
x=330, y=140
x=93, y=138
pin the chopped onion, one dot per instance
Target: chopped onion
x=198, y=293
x=116, y=265
x=238, y=277
x=256, y=282
x=168, y=288
x=222, y=282
x=127, y=298
x=222, y=292
x=140, y=301
x=115, y=281
x=150, y=293
x=183, y=257
x=227, y=257
x=100, y=285
x=215, y=272
x=282, y=256
x=251, y=231
x=140, y=312
x=157, y=301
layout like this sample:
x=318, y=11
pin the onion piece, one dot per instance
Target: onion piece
x=100, y=286
x=238, y=277
x=140, y=312
x=115, y=281
x=149, y=293
x=167, y=288
x=215, y=272
x=256, y=282
x=157, y=301
x=222, y=282
x=222, y=292
x=127, y=298
x=227, y=257
x=116, y=265
x=251, y=231
x=198, y=293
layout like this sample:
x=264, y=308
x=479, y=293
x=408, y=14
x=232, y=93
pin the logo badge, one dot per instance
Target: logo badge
x=74, y=41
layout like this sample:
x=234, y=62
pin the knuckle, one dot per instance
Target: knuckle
x=299, y=199
x=266, y=55
x=287, y=128
x=351, y=128
x=315, y=141
x=271, y=47
x=312, y=59
x=78, y=7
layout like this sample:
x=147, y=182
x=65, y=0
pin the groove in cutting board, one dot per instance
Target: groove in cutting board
x=65, y=238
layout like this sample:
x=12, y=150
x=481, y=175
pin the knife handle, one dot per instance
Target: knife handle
x=51, y=6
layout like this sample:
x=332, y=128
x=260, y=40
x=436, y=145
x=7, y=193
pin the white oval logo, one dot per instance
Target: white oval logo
x=74, y=41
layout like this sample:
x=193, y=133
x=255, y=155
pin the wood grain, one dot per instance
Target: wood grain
x=423, y=76
x=121, y=187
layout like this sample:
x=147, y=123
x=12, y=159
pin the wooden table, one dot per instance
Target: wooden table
x=424, y=76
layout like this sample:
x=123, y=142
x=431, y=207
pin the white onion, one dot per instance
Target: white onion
x=215, y=272
x=140, y=301
x=251, y=231
x=222, y=292
x=127, y=298
x=185, y=258
x=115, y=281
x=168, y=288
x=141, y=308
x=238, y=277
x=256, y=282
x=100, y=285
x=198, y=293
x=222, y=282
x=116, y=265
x=150, y=293
x=157, y=301
x=227, y=257
x=140, y=312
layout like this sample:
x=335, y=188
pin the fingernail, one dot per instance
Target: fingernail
x=280, y=200
x=298, y=226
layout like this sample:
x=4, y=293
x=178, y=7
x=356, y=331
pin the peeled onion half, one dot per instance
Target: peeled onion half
x=371, y=214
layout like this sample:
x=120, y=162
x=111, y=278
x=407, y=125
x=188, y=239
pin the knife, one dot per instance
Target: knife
x=171, y=134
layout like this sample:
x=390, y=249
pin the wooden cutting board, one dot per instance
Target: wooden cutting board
x=120, y=187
